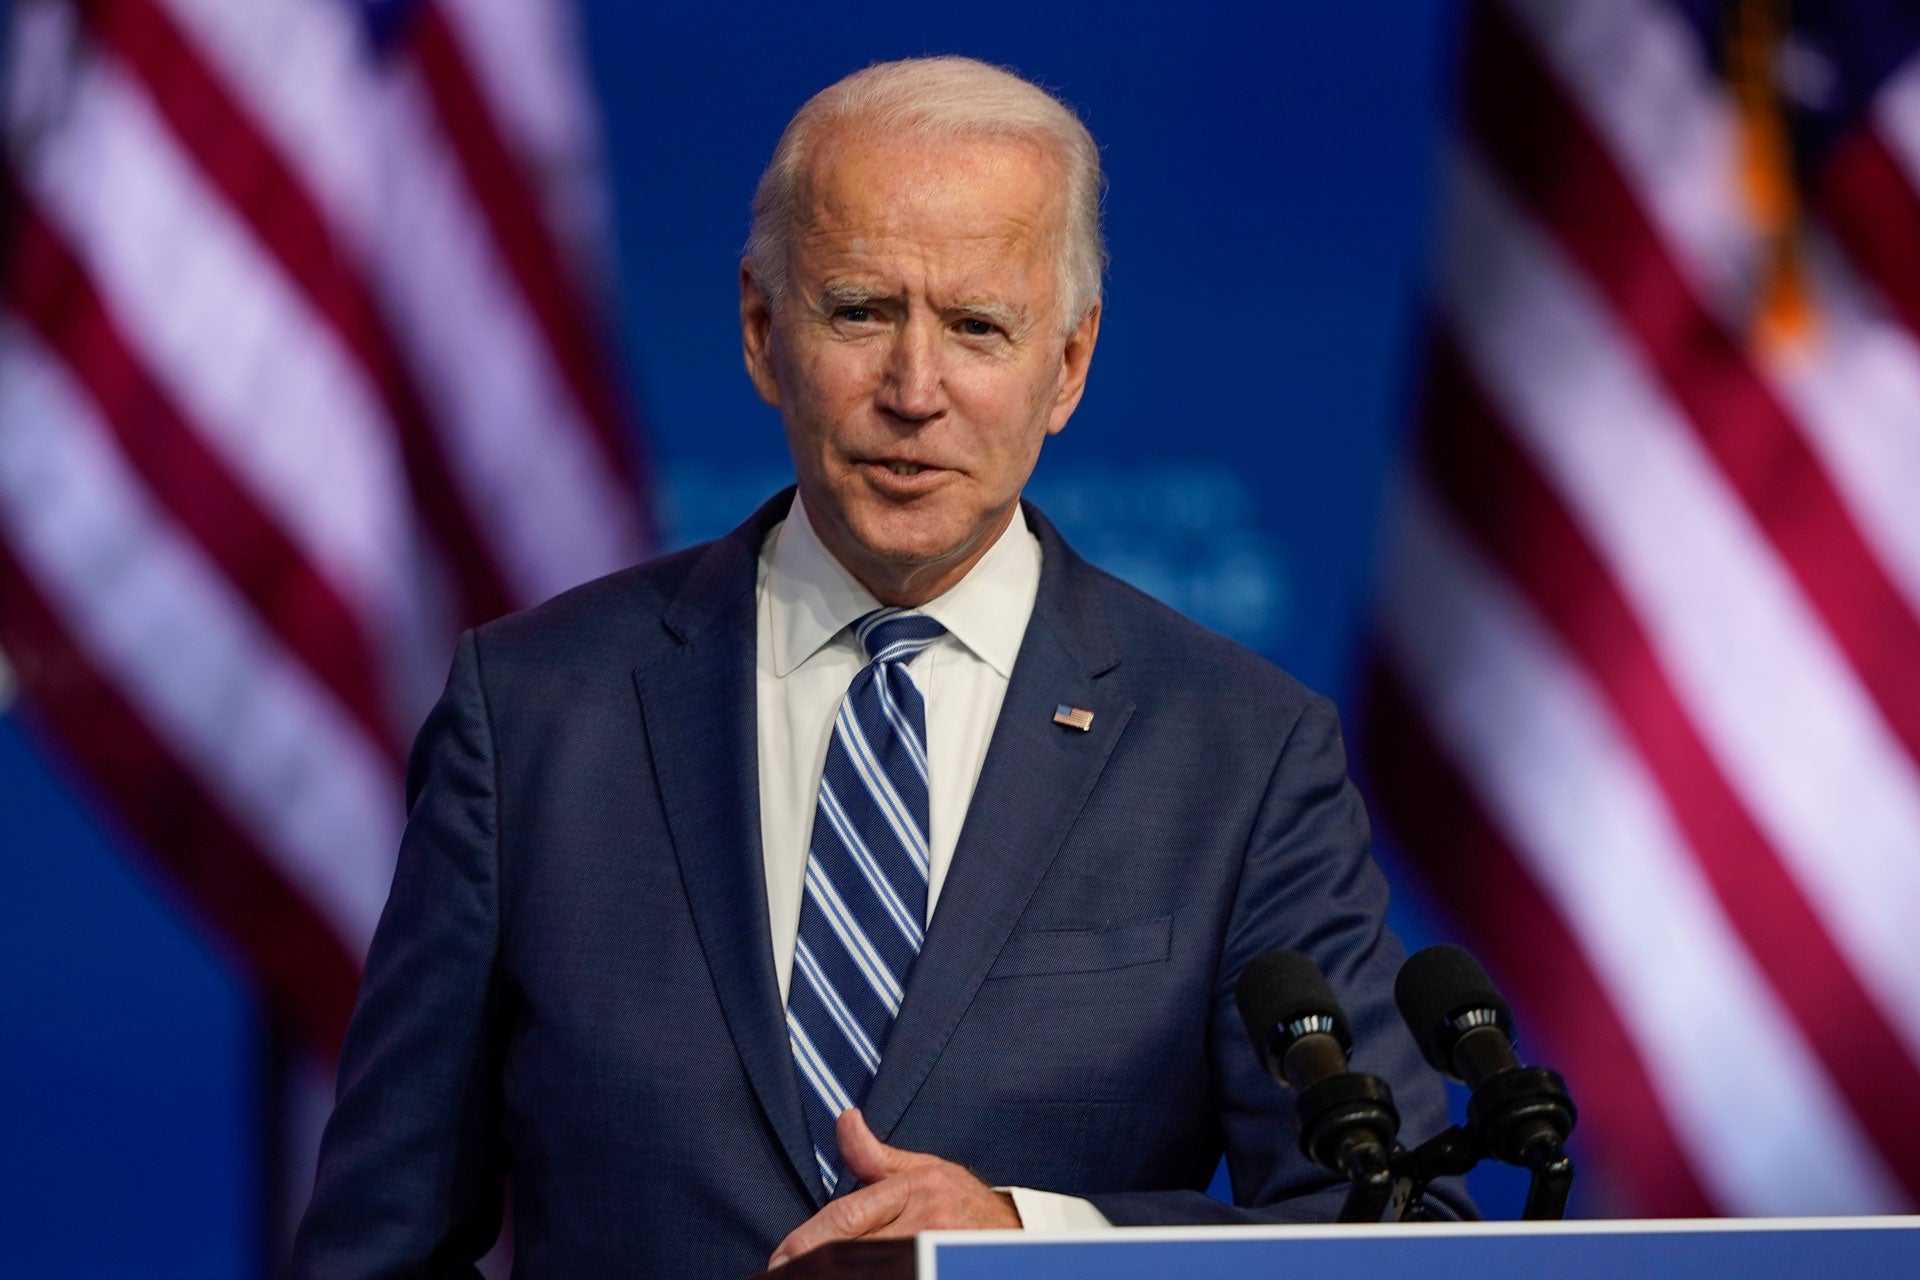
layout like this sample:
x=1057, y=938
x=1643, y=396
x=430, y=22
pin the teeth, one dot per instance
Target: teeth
x=904, y=468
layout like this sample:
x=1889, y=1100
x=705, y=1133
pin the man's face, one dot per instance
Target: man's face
x=918, y=357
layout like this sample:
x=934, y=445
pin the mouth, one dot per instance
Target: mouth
x=896, y=471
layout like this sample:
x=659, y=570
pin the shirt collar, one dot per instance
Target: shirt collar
x=813, y=598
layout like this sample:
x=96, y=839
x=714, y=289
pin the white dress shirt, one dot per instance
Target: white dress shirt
x=805, y=657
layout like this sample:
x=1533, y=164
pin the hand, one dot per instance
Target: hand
x=905, y=1192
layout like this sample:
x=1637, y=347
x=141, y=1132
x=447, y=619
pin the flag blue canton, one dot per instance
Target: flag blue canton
x=1834, y=58
x=385, y=20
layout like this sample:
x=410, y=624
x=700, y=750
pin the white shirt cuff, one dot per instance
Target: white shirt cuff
x=1051, y=1211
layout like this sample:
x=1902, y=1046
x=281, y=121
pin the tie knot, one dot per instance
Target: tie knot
x=894, y=635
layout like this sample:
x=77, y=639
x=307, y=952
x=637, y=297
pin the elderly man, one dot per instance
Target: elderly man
x=881, y=866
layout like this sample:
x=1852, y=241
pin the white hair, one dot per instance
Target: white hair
x=944, y=97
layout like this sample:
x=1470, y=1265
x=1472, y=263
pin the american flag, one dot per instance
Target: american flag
x=1646, y=708
x=298, y=375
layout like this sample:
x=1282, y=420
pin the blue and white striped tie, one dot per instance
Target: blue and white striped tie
x=865, y=908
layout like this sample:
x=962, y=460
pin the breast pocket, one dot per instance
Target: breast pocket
x=1079, y=1015
x=1096, y=950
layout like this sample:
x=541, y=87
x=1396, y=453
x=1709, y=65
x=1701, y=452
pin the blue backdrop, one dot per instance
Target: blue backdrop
x=1271, y=172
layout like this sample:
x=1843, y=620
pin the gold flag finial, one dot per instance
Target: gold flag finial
x=1783, y=319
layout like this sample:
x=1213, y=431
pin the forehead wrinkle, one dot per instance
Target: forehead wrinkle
x=882, y=219
x=921, y=178
x=991, y=288
x=923, y=159
x=866, y=238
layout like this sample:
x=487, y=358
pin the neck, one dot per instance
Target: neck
x=909, y=585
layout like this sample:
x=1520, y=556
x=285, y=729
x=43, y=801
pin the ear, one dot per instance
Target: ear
x=1075, y=358
x=756, y=337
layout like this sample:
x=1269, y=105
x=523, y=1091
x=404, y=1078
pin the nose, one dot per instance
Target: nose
x=912, y=386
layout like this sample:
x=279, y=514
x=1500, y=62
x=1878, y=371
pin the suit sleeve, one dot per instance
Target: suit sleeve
x=410, y=1172
x=1309, y=883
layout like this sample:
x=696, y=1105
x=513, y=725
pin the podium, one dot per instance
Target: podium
x=1666, y=1249
x=855, y=1260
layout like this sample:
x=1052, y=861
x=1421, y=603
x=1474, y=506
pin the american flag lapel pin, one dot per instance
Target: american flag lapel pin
x=1073, y=717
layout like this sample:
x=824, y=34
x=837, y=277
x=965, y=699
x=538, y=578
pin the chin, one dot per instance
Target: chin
x=908, y=549
x=903, y=537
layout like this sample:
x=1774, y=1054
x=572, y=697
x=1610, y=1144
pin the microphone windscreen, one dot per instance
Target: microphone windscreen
x=1435, y=986
x=1283, y=986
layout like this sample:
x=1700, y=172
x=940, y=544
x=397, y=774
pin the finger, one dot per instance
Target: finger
x=868, y=1158
x=859, y=1213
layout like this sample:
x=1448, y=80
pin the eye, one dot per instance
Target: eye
x=853, y=315
x=974, y=327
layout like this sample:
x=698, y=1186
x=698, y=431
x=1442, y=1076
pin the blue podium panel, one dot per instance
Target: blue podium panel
x=1752, y=1249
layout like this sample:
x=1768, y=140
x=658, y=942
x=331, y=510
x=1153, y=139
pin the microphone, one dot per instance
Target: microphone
x=1465, y=1030
x=1292, y=1018
x=1346, y=1119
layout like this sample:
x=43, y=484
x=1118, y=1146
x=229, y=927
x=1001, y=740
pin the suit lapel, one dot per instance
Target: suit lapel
x=1036, y=779
x=698, y=704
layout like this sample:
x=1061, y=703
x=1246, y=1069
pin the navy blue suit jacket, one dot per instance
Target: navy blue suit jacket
x=572, y=984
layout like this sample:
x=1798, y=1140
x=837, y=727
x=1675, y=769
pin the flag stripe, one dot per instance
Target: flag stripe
x=262, y=448
x=1654, y=102
x=1556, y=772
x=1844, y=814
x=300, y=71
x=515, y=55
x=1493, y=491
x=1536, y=138
x=1649, y=614
x=222, y=874
x=519, y=451
x=1487, y=888
x=51, y=291
x=239, y=161
x=1859, y=372
x=222, y=334
x=276, y=748
x=1637, y=74
x=1896, y=117
x=273, y=749
x=1638, y=77
x=514, y=219
x=1872, y=208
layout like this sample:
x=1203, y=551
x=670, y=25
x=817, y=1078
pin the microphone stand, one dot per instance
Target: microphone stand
x=1547, y=1192
x=1369, y=1186
x=1452, y=1152
x=1520, y=1116
x=1347, y=1123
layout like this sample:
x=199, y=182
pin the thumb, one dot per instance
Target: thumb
x=868, y=1158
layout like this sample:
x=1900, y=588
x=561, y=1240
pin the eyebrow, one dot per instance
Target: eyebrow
x=1013, y=319
x=841, y=293
x=835, y=294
